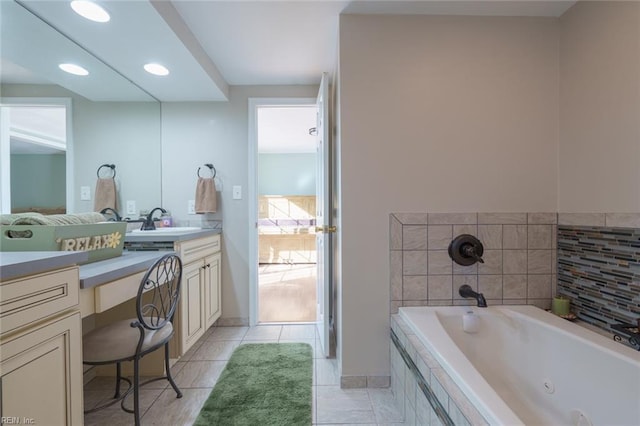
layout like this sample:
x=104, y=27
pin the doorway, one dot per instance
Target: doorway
x=286, y=210
x=36, y=155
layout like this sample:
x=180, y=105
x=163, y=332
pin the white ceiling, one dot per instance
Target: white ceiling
x=266, y=42
x=286, y=129
x=37, y=129
x=207, y=45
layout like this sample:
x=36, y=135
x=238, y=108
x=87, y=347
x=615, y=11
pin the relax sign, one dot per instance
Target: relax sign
x=95, y=242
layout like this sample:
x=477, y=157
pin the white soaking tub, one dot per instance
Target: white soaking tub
x=527, y=366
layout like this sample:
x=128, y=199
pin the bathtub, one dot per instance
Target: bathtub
x=525, y=366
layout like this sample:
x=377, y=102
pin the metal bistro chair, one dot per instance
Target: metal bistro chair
x=130, y=340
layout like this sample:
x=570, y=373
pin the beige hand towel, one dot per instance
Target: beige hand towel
x=105, y=195
x=206, y=201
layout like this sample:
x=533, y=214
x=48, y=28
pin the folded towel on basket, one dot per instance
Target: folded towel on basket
x=105, y=195
x=206, y=201
x=58, y=219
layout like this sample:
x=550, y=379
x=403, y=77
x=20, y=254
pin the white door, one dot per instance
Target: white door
x=323, y=215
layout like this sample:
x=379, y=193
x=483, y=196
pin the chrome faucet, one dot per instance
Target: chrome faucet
x=467, y=292
x=115, y=213
x=148, y=224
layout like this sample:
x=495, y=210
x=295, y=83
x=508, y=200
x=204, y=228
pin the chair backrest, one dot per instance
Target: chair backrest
x=159, y=292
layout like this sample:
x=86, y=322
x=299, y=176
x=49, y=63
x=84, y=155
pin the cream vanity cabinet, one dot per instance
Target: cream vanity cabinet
x=200, y=296
x=41, y=347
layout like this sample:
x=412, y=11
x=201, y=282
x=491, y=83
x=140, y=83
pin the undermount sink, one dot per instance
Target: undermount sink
x=167, y=231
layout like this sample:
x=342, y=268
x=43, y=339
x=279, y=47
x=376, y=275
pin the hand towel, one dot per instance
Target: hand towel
x=105, y=195
x=206, y=201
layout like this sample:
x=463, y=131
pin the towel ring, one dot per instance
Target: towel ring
x=111, y=166
x=211, y=168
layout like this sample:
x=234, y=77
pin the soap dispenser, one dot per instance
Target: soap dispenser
x=166, y=219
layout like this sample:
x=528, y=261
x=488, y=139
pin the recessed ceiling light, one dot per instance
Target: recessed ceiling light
x=156, y=69
x=90, y=10
x=73, y=69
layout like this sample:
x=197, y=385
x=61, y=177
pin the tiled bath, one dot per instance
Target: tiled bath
x=599, y=267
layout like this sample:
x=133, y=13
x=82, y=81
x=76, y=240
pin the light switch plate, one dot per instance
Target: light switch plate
x=191, y=207
x=131, y=207
x=237, y=192
x=85, y=193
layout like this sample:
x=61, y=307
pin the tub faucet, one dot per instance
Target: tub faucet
x=116, y=218
x=467, y=292
x=148, y=224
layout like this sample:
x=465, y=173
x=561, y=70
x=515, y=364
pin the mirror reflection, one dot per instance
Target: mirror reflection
x=58, y=129
x=38, y=145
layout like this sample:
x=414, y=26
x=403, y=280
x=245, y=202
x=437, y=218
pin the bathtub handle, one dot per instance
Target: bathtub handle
x=465, y=250
x=470, y=251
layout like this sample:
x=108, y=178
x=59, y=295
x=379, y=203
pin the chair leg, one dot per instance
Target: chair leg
x=118, y=375
x=136, y=390
x=168, y=370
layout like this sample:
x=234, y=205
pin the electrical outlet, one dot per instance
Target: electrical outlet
x=85, y=193
x=191, y=207
x=237, y=192
x=131, y=207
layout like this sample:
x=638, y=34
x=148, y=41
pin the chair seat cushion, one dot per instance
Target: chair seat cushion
x=119, y=340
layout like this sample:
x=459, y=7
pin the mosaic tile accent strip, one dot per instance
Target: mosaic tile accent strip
x=424, y=392
x=520, y=258
x=438, y=409
x=599, y=270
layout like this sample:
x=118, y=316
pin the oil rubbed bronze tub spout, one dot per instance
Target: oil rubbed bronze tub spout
x=467, y=292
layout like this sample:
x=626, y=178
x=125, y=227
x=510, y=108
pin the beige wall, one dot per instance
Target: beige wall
x=600, y=108
x=194, y=133
x=438, y=114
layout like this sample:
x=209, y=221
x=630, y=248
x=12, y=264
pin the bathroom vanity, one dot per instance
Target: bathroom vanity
x=47, y=302
x=40, y=338
x=200, y=304
x=109, y=287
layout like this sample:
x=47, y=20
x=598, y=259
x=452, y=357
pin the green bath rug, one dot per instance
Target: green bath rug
x=262, y=384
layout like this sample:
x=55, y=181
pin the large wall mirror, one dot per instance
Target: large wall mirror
x=57, y=129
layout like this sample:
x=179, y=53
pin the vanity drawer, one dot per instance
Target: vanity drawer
x=192, y=250
x=27, y=300
x=117, y=292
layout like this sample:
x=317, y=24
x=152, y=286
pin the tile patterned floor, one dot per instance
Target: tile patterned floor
x=197, y=372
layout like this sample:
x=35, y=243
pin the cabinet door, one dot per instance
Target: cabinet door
x=192, y=324
x=42, y=374
x=212, y=291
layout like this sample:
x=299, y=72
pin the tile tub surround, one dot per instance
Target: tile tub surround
x=424, y=393
x=599, y=270
x=519, y=255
